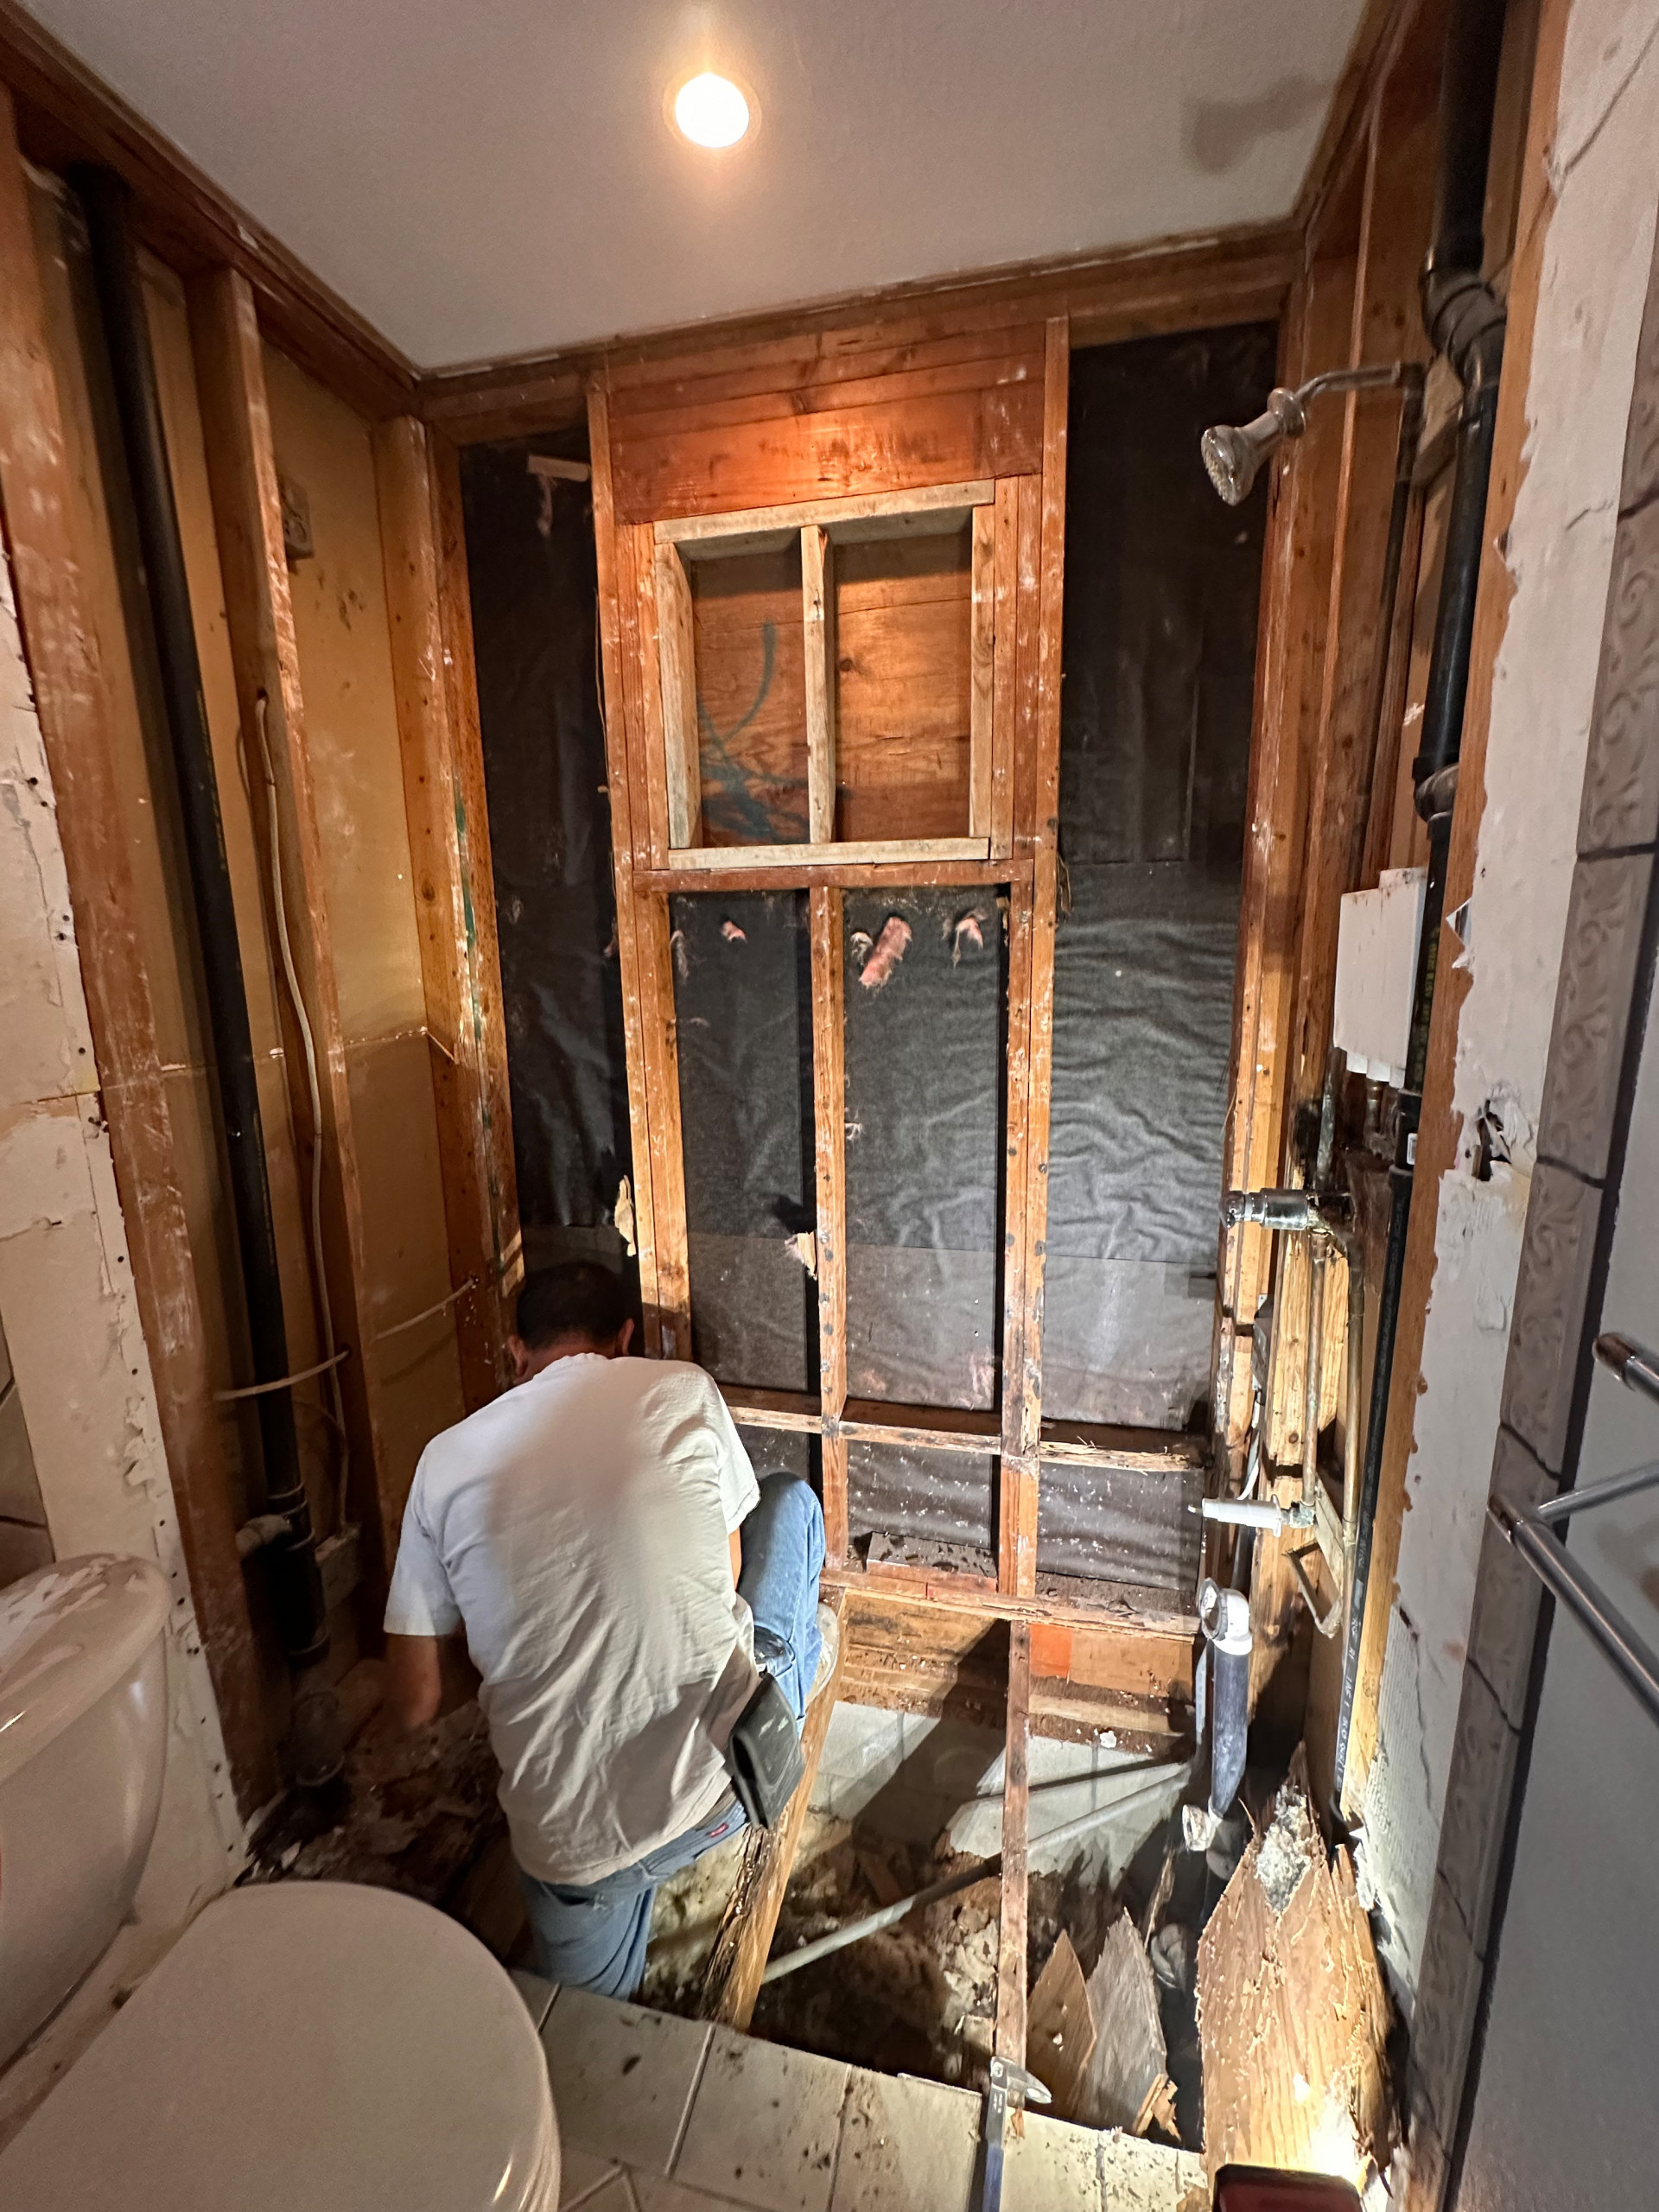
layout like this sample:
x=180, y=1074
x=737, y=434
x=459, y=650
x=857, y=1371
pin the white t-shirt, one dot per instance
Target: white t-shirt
x=578, y=1527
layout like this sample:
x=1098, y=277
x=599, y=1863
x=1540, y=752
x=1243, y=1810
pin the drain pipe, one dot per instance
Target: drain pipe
x=1224, y=1617
x=295, y=1580
x=1464, y=321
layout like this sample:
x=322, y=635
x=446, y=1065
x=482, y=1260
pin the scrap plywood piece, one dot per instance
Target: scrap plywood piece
x=1126, y=2082
x=1292, y=2018
x=1060, y=2033
x=731, y=1979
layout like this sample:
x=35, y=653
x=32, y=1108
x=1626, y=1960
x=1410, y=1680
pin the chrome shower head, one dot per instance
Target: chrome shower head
x=1234, y=457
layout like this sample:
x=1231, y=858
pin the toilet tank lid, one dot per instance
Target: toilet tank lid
x=69, y=1633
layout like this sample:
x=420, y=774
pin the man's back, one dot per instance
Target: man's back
x=579, y=1527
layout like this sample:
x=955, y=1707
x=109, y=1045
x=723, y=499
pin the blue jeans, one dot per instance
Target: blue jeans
x=592, y=1936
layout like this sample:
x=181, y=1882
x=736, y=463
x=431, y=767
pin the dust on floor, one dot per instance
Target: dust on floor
x=420, y=1815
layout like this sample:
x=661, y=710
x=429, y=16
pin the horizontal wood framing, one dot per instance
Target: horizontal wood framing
x=908, y=1652
x=865, y=516
x=788, y=861
x=66, y=114
x=922, y=330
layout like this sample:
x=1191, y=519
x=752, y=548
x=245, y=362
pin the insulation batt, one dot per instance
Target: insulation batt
x=890, y=949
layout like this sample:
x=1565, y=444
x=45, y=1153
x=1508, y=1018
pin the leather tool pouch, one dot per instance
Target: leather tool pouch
x=764, y=1755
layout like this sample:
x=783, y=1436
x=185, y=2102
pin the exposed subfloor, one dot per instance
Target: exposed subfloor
x=663, y=2114
x=920, y=1997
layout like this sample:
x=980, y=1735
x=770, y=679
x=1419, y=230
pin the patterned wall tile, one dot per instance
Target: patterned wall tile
x=1621, y=778
x=1550, y=1304
x=1642, y=440
x=1443, y=2024
x=1504, y=1621
x=1476, y=1798
x=1605, y=918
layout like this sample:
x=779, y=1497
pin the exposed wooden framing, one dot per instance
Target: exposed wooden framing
x=1011, y=1977
x=1289, y=687
x=1031, y=996
x=72, y=702
x=1440, y=1129
x=1135, y=292
x=1374, y=38
x=667, y=1160
x=750, y=872
x=1386, y=326
x=1005, y=573
x=68, y=114
x=644, y=695
x=679, y=683
x=876, y=514
x=484, y=1005
x=981, y=672
x=724, y=859
x=611, y=655
x=818, y=609
x=829, y=1126
x=247, y=517
x=731, y=1979
x=408, y=538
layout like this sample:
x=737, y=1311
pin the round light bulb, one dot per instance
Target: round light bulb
x=711, y=111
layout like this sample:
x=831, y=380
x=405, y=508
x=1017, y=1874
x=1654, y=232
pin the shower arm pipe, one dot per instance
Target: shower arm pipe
x=1159, y=1780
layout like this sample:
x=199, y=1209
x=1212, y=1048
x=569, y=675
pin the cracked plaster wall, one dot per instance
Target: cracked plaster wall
x=1560, y=555
x=78, y=1351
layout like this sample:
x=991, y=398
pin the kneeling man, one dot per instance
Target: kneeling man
x=599, y=1538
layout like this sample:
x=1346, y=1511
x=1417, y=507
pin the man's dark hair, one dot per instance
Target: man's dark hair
x=579, y=1297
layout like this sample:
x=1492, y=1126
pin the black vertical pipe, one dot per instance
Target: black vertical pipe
x=1464, y=320
x=296, y=1582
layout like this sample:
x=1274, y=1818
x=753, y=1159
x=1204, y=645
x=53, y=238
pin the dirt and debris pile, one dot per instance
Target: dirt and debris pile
x=1110, y=2020
x=421, y=1816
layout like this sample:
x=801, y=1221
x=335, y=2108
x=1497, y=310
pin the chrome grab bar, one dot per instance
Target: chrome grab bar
x=1533, y=1535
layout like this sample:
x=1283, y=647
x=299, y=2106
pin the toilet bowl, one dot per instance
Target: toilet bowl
x=302, y=2043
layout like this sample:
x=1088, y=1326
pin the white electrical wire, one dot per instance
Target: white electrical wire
x=302, y=1020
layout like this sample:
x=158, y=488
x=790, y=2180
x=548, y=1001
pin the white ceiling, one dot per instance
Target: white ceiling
x=489, y=177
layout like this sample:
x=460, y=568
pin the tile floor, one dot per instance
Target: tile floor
x=661, y=2115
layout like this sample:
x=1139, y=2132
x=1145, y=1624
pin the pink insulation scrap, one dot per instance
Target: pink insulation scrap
x=732, y=935
x=889, y=951
x=967, y=932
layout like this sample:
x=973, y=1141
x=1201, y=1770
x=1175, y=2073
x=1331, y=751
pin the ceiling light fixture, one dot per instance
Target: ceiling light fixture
x=711, y=111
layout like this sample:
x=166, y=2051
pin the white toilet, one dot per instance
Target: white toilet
x=302, y=2044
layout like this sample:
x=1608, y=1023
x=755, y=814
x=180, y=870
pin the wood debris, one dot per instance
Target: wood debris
x=1060, y=2036
x=1126, y=2084
x=805, y=1249
x=1293, y=2016
x=732, y=935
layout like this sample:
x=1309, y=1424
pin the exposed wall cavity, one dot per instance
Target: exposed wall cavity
x=1560, y=555
x=82, y=1371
